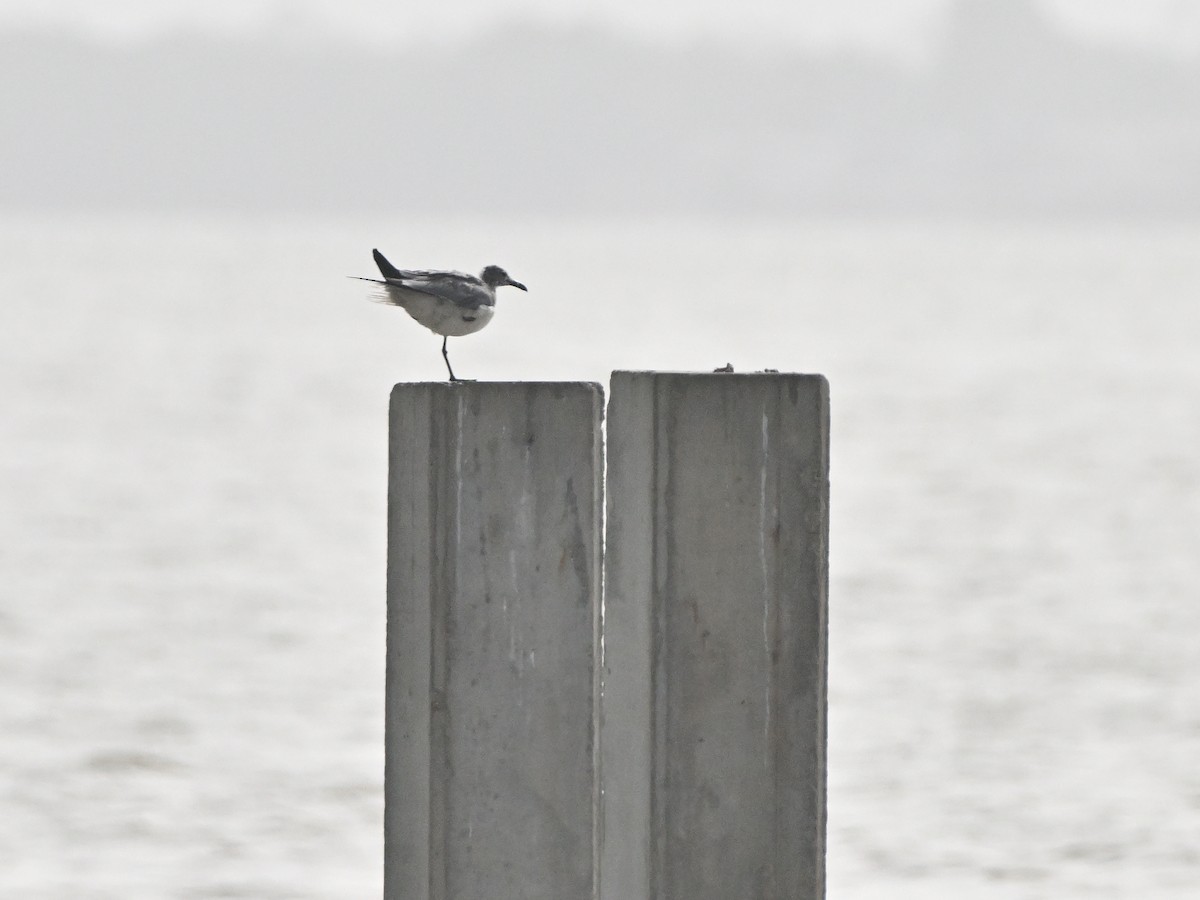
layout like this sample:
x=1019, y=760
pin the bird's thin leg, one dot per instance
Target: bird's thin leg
x=446, y=357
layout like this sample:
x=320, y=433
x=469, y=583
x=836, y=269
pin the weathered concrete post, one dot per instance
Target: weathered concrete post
x=493, y=603
x=714, y=672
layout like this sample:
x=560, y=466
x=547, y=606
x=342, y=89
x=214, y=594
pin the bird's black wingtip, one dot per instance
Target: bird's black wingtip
x=385, y=268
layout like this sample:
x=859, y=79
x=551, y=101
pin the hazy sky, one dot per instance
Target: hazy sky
x=1011, y=115
x=894, y=23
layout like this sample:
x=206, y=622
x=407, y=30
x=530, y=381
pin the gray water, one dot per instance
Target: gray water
x=192, y=467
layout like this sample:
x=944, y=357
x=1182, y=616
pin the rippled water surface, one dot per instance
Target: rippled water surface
x=192, y=464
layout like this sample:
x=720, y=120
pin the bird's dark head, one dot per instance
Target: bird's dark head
x=494, y=277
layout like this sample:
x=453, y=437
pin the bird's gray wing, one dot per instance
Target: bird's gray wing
x=466, y=291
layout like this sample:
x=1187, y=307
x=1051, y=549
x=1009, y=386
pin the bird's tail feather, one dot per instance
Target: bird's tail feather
x=382, y=295
x=385, y=267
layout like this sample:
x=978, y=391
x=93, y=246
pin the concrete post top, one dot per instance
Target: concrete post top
x=481, y=386
x=480, y=395
x=762, y=373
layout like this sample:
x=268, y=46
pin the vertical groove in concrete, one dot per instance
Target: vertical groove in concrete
x=713, y=686
x=493, y=598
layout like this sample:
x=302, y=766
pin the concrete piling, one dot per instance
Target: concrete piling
x=494, y=531
x=668, y=744
x=714, y=668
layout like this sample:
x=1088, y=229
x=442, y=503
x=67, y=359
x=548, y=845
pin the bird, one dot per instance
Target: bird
x=447, y=303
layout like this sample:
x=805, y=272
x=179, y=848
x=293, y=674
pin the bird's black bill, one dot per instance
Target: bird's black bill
x=517, y=284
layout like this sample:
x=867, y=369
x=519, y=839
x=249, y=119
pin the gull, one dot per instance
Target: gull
x=447, y=303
